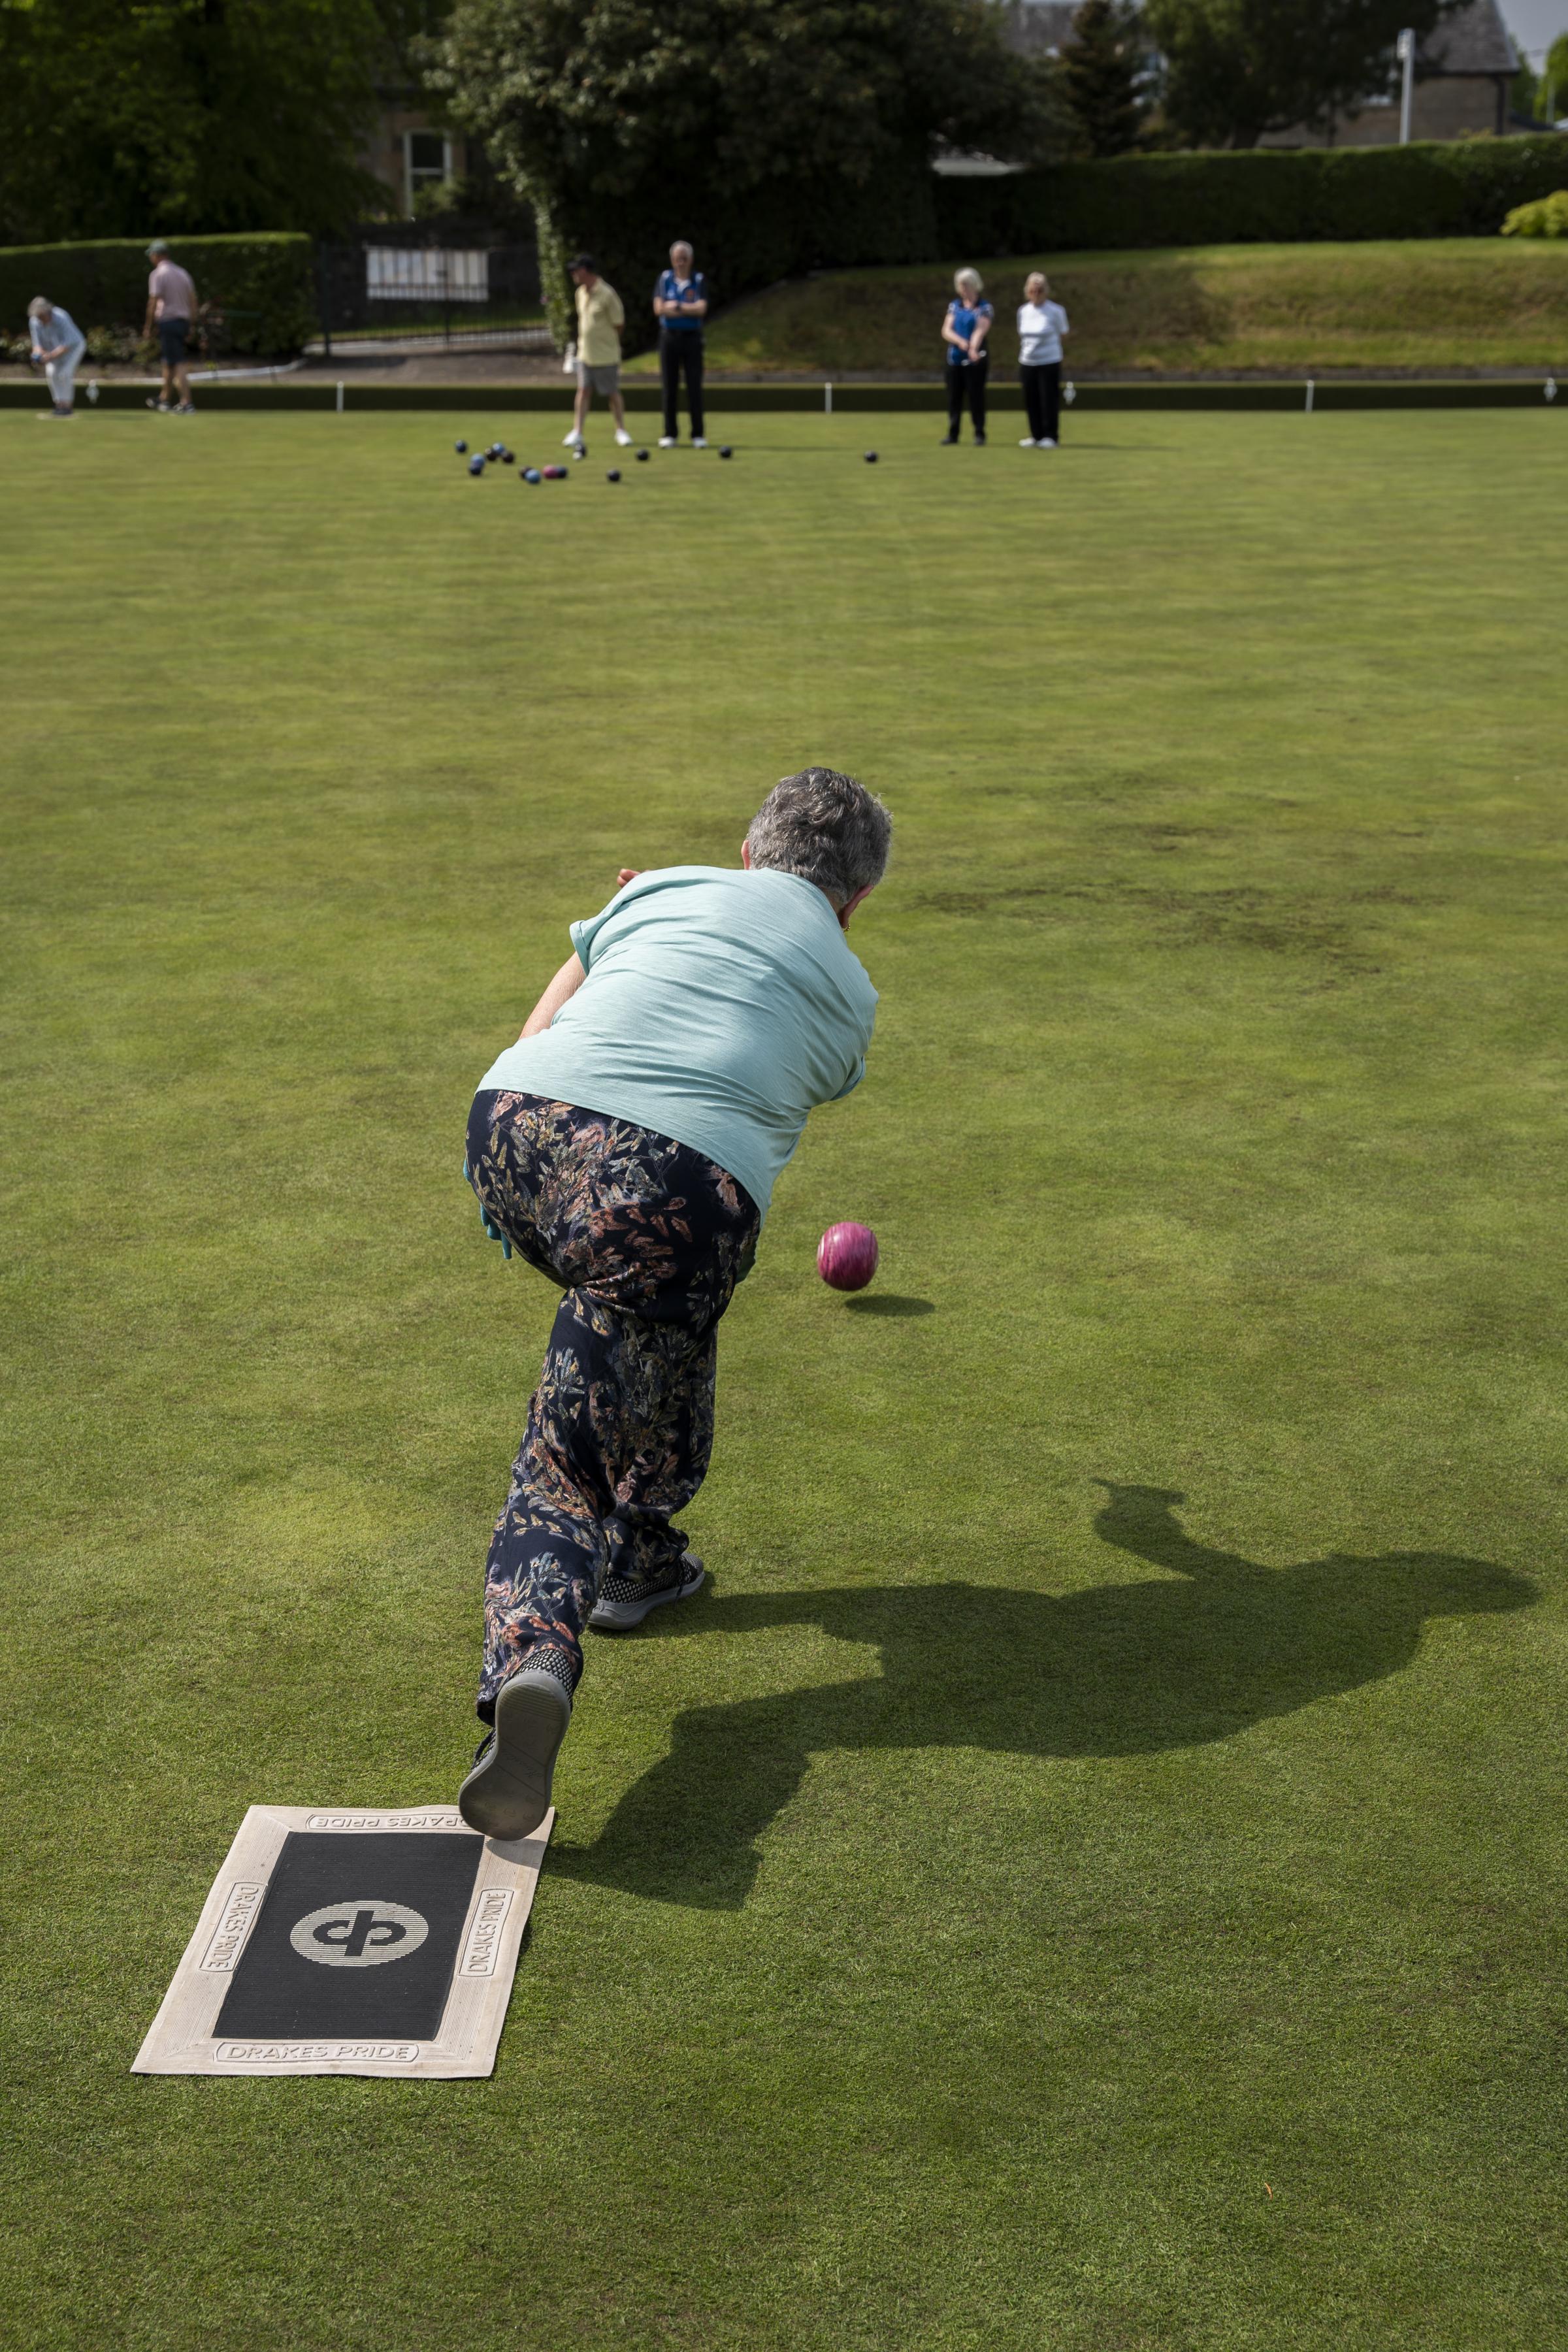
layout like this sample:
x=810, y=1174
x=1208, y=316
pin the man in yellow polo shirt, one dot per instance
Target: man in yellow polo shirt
x=600, y=318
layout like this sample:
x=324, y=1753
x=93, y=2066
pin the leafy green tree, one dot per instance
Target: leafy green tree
x=1238, y=68
x=1552, y=96
x=771, y=132
x=120, y=116
x=1101, y=68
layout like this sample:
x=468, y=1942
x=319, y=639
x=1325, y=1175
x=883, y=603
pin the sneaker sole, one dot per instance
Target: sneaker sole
x=620, y=1616
x=507, y=1794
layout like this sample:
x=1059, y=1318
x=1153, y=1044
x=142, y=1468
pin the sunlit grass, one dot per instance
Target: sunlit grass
x=1008, y=1910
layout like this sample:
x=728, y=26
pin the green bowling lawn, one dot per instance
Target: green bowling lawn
x=1088, y=1875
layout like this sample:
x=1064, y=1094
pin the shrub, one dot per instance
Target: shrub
x=1263, y=196
x=109, y=345
x=260, y=286
x=1547, y=218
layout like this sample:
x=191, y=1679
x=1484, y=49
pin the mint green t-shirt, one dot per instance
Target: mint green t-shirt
x=720, y=1008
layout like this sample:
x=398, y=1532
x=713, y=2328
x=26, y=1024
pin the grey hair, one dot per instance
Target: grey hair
x=159, y=245
x=962, y=278
x=1036, y=277
x=825, y=827
x=39, y=307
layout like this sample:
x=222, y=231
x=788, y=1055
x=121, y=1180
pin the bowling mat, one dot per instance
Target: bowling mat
x=350, y=1942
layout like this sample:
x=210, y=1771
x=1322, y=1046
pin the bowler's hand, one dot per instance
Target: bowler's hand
x=627, y=874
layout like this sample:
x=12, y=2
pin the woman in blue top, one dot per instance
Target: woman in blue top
x=680, y=305
x=626, y=1147
x=964, y=331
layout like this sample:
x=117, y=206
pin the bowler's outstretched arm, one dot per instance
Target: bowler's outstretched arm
x=567, y=983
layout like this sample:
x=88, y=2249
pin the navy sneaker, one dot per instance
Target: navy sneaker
x=626, y=1600
x=507, y=1794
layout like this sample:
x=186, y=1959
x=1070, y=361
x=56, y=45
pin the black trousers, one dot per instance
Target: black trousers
x=1042, y=399
x=967, y=380
x=677, y=353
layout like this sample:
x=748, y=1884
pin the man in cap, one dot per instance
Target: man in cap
x=172, y=311
x=600, y=318
x=58, y=344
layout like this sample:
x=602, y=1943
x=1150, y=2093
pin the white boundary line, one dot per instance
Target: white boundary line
x=240, y=375
x=182, y=2038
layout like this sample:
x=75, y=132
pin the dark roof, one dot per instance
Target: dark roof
x=1035, y=27
x=1473, y=40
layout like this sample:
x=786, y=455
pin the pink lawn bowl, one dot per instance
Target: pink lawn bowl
x=847, y=1256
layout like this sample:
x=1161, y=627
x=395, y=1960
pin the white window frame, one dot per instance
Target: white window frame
x=426, y=178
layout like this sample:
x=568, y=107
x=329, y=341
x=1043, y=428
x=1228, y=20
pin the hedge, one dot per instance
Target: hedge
x=777, y=230
x=262, y=282
x=1268, y=195
x=1262, y=195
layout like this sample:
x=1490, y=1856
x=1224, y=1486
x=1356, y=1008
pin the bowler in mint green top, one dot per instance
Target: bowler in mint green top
x=626, y=1147
x=716, y=1006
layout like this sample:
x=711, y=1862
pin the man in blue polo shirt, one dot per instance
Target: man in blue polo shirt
x=680, y=305
x=626, y=1146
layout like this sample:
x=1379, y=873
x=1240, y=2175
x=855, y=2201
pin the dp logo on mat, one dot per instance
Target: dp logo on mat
x=358, y=1935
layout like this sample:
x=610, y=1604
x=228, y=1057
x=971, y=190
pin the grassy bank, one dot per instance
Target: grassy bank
x=1462, y=302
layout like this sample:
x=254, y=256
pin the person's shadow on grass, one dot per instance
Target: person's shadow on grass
x=1215, y=1645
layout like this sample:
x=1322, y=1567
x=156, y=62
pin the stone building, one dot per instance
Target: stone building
x=1464, y=75
x=410, y=149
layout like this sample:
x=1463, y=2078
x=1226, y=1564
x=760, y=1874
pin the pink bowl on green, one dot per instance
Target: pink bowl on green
x=847, y=1256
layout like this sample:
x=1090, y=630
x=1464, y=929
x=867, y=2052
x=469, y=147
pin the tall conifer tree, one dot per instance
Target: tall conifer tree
x=1099, y=75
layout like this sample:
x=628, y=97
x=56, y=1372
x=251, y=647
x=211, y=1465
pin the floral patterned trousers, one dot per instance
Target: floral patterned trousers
x=647, y=1240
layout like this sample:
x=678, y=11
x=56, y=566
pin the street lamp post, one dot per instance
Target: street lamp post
x=1405, y=50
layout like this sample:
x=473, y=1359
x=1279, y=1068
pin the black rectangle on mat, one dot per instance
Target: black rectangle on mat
x=358, y=1935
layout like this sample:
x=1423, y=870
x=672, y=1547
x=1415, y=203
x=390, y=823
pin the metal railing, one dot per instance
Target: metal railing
x=391, y=291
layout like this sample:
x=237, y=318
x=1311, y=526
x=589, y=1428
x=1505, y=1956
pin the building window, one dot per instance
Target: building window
x=427, y=161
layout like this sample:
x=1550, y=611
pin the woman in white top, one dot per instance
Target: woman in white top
x=59, y=344
x=1042, y=323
